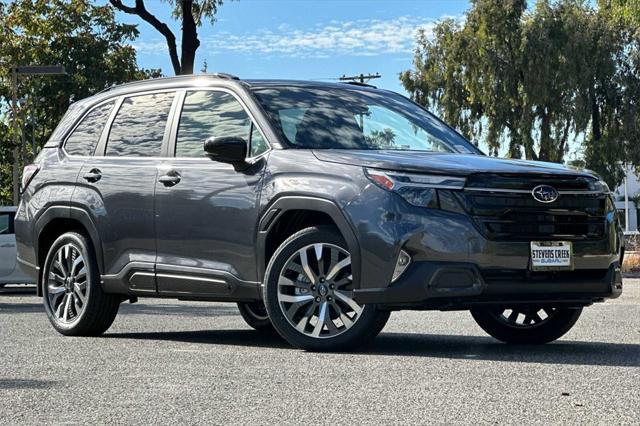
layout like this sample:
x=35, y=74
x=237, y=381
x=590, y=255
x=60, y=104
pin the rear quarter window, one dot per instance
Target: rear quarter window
x=84, y=139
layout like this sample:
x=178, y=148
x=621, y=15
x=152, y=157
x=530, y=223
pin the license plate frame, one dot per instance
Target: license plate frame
x=551, y=255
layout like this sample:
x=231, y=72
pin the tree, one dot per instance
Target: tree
x=530, y=83
x=382, y=139
x=196, y=12
x=84, y=38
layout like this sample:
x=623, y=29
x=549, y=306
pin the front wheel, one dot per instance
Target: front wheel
x=308, y=293
x=526, y=324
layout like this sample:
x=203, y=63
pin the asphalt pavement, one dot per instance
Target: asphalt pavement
x=165, y=361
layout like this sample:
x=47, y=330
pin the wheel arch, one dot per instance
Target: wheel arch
x=289, y=214
x=54, y=222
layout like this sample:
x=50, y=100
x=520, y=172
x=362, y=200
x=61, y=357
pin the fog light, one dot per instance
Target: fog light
x=403, y=262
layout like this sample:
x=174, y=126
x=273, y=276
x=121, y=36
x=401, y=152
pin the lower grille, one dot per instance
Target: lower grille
x=496, y=276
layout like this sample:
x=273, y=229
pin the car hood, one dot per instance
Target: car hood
x=442, y=163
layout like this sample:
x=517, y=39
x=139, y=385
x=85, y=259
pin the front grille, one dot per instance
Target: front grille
x=511, y=213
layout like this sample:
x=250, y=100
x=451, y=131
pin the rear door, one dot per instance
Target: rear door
x=7, y=244
x=206, y=218
x=118, y=183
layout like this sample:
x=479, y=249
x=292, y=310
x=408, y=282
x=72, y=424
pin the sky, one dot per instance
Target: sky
x=302, y=39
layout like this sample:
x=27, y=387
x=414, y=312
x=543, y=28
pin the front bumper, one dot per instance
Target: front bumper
x=455, y=266
x=449, y=285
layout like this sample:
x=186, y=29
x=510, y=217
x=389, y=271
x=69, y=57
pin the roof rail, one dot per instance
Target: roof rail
x=179, y=77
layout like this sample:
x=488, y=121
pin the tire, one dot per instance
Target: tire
x=255, y=314
x=526, y=325
x=76, y=305
x=294, y=295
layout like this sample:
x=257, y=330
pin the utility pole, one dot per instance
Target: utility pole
x=362, y=78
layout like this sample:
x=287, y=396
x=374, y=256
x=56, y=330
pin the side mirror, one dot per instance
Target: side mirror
x=227, y=149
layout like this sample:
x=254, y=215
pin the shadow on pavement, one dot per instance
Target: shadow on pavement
x=486, y=348
x=21, y=308
x=203, y=310
x=431, y=346
x=17, y=290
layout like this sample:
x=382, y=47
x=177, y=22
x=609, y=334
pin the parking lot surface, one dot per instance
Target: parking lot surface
x=166, y=361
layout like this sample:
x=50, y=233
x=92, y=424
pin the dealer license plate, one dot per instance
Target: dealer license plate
x=549, y=255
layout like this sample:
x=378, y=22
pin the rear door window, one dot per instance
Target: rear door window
x=85, y=137
x=139, y=126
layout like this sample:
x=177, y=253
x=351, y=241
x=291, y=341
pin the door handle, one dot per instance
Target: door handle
x=93, y=175
x=170, y=179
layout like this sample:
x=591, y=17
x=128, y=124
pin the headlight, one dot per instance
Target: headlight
x=417, y=189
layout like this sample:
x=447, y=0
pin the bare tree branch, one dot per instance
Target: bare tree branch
x=140, y=10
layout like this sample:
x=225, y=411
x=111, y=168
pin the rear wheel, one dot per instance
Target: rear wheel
x=308, y=293
x=526, y=324
x=73, y=298
x=255, y=314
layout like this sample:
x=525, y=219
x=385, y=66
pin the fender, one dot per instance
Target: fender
x=72, y=213
x=286, y=203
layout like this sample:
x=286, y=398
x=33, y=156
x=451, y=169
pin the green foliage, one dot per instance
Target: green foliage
x=84, y=38
x=201, y=10
x=532, y=82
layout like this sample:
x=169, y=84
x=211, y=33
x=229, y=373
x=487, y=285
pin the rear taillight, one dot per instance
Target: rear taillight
x=28, y=174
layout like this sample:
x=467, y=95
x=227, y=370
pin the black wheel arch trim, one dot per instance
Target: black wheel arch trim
x=70, y=213
x=286, y=203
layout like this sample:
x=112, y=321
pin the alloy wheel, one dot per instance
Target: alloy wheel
x=314, y=291
x=525, y=316
x=67, y=289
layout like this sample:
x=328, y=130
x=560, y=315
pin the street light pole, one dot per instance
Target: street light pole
x=15, y=171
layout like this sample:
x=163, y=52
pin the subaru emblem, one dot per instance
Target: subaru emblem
x=544, y=194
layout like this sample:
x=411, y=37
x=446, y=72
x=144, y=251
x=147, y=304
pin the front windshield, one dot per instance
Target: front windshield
x=332, y=118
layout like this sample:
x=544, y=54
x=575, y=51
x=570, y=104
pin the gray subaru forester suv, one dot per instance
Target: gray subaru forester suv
x=318, y=208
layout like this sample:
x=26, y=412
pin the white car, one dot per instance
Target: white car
x=10, y=272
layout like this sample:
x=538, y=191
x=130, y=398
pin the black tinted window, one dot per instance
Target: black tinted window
x=208, y=114
x=138, y=128
x=6, y=223
x=85, y=137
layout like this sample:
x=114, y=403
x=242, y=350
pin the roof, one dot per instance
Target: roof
x=228, y=78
